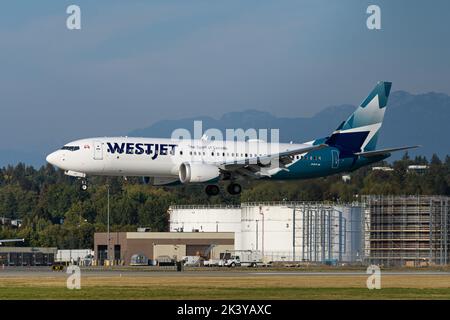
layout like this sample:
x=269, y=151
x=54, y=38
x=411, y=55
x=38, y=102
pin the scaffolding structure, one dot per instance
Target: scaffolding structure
x=319, y=232
x=406, y=230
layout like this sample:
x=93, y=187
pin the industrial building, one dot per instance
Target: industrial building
x=382, y=230
x=406, y=230
x=125, y=246
x=282, y=231
x=26, y=256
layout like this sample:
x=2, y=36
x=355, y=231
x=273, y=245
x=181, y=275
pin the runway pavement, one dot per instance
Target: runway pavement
x=106, y=272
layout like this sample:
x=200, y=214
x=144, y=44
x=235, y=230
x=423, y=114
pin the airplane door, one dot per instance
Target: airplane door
x=334, y=159
x=98, y=150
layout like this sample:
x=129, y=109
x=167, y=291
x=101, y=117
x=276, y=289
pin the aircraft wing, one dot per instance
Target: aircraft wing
x=254, y=167
x=374, y=153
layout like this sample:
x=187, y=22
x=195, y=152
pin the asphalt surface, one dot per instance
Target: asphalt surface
x=89, y=272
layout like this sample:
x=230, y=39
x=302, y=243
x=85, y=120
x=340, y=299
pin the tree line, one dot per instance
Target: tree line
x=55, y=212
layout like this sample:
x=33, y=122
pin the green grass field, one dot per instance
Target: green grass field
x=271, y=293
x=188, y=286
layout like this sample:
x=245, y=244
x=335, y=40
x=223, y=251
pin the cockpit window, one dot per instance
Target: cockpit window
x=71, y=148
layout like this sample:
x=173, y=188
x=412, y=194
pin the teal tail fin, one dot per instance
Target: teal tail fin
x=360, y=131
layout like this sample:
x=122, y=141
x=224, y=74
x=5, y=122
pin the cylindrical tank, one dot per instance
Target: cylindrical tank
x=267, y=228
x=206, y=219
x=287, y=231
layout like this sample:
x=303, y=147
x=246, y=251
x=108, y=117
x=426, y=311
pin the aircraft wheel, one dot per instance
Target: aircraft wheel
x=84, y=186
x=234, y=189
x=212, y=190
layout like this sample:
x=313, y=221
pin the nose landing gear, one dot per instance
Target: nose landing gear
x=84, y=185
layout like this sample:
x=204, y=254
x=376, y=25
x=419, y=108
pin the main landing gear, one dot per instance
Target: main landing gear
x=84, y=185
x=234, y=189
x=212, y=190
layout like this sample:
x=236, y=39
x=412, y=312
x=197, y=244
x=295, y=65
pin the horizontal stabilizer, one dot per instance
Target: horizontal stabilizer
x=383, y=151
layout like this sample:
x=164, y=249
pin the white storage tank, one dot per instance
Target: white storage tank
x=210, y=218
x=282, y=231
x=267, y=228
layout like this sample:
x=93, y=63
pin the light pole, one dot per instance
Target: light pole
x=262, y=240
x=107, y=228
x=257, y=240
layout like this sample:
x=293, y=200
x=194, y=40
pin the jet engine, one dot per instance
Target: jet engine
x=197, y=172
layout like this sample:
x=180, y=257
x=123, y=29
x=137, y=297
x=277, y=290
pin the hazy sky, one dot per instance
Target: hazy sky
x=136, y=62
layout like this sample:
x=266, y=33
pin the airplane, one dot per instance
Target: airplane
x=2, y=241
x=199, y=161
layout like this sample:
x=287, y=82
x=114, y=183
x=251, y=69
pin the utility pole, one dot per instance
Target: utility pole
x=108, y=245
x=262, y=240
x=293, y=234
x=257, y=240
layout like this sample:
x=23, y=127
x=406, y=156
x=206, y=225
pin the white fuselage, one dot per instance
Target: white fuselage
x=153, y=157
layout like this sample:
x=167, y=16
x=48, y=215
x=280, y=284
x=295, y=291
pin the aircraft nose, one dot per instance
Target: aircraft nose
x=52, y=158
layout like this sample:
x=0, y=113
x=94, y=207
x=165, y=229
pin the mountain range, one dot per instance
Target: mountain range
x=410, y=119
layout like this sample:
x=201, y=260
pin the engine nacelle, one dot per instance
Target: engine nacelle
x=197, y=172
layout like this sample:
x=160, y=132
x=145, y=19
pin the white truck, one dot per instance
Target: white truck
x=191, y=261
x=213, y=263
x=236, y=258
x=75, y=256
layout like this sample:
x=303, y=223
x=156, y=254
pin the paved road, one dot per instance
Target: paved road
x=47, y=272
